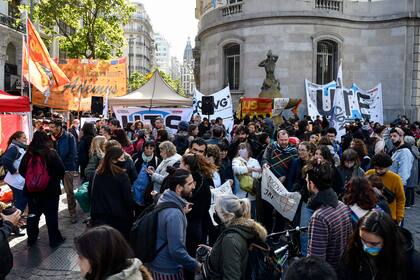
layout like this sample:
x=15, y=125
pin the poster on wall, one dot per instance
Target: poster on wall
x=171, y=116
x=344, y=105
x=222, y=107
x=87, y=78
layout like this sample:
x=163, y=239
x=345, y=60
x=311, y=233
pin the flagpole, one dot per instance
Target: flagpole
x=31, y=131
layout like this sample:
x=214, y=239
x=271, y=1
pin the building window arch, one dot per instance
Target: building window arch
x=326, y=58
x=232, y=65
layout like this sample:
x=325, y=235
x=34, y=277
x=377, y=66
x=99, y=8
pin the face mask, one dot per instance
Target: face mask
x=120, y=164
x=396, y=144
x=243, y=153
x=373, y=251
x=216, y=218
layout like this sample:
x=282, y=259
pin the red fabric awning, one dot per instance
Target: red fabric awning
x=13, y=104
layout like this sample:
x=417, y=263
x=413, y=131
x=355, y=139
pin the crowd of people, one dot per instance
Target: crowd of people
x=354, y=194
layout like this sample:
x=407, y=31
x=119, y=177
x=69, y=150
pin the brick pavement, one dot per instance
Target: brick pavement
x=42, y=262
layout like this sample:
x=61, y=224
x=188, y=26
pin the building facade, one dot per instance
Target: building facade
x=163, y=53
x=140, y=48
x=378, y=42
x=175, y=71
x=187, y=70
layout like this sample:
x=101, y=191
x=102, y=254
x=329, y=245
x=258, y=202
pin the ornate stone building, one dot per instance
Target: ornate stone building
x=379, y=41
x=187, y=70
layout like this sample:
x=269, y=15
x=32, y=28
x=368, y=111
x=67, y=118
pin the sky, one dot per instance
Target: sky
x=175, y=20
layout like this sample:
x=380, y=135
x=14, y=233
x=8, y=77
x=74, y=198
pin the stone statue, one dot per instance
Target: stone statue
x=271, y=86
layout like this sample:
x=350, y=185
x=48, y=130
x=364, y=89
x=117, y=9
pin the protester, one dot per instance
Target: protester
x=96, y=154
x=413, y=180
x=380, y=250
x=181, y=138
x=104, y=254
x=402, y=159
x=65, y=145
x=213, y=156
x=75, y=129
x=43, y=201
x=229, y=256
x=225, y=169
x=8, y=223
x=111, y=186
x=120, y=135
x=378, y=187
x=350, y=166
x=310, y=268
x=323, y=154
x=192, y=132
x=16, y=148
x=158, y=125
x=171, y=230
x=127, y=164
x=87, y=134
x=360, y=147
x=106, y=132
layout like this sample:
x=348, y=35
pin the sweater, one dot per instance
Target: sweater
x=393, y=183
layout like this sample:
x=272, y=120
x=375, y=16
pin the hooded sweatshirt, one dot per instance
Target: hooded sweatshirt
x=132, y=272
x=171, y=229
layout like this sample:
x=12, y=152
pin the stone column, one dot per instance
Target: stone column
x=2, y=58
x=416, y=72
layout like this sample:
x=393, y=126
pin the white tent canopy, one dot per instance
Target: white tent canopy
x=155, y=93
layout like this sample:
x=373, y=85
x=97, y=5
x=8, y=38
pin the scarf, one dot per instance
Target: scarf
x=145, y=158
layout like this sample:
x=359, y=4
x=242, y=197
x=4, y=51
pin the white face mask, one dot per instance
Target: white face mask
x=243, y=153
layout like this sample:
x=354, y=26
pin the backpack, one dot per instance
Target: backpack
x=143, y=234
x=37, y=177
x=261, y=264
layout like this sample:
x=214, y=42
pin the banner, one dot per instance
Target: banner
x=254, y=106
x=222, y=107
x=279, y=104
x=223, y=189
x=355, y=103
x=171, y=116
x=87, y=78
x=273, y=191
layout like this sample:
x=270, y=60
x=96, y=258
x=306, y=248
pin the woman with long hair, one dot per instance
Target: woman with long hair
x=96, y=154
x=87, y=134
x=324, y=154
x=120, y=135
x=16, y=149
x=44, y=201
x=105, y=254
x=379, y=249
x=128, y=163
x=360, y=147
x=350, y=166
x=110, y=193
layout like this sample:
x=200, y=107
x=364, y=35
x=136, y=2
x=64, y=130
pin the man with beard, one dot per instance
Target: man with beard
x=394, y=192
x=172, y=255
x=402, y=159
x=65, y=145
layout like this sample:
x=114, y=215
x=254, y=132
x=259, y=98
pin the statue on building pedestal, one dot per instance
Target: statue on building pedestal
x=271, y=86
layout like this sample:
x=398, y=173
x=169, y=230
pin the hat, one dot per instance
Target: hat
x=294, y=141
x=183, y=126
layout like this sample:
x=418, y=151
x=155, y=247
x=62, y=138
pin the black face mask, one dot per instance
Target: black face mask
x=396, y=144
x=217, y=219
x=120, y=164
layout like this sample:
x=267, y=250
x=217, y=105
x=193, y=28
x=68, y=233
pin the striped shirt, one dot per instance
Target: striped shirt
x=329, y=230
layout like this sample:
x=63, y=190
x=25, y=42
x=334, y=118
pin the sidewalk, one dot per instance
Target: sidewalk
x=42, y=262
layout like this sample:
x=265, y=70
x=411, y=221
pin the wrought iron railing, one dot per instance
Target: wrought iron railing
x=232, y=9
x=11, y=22
x=334, y=5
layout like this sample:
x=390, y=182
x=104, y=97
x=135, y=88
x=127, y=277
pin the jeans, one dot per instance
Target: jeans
x=305, y=217
x=20, y=200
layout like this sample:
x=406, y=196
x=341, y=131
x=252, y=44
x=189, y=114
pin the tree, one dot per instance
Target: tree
x=87, y=28
x=137, y=80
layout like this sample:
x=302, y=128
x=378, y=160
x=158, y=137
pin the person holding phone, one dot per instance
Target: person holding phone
x=7, y=223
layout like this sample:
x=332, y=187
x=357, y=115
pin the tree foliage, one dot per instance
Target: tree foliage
x=137, y=80
x=87, y=28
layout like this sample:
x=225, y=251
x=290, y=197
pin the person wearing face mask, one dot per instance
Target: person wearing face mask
x=11, y=160
x=379, y=249
x=111, y=186
x=349, y=166
x=394, y=190
x=245, y=164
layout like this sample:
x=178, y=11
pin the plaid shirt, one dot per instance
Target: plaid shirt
x=279, y=159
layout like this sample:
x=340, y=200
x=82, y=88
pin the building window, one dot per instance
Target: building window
x=326, y=62
x=232, y=65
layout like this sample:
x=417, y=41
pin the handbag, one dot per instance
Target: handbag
x=82, y=195
x=246, y=182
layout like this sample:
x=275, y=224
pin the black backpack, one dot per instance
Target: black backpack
x=143, y=234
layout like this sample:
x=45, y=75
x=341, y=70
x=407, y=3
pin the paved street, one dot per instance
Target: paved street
x=42, y=262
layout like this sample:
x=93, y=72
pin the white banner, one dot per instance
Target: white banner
x=222, y=107
x=171, y=116
x=278, y=105
x=273, y=191
x=223, y=189
x=91, y=120
x=352, y=103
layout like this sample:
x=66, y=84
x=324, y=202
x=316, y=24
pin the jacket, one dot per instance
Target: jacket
x=130, y=168
x=65, y=146
x=240, y=167
x=225, y=170
x=6, y=257
x=55, y=169
x=92, y=165
x=402, y=162
x=83, y=150
x=110, y=196
x=160, y=172
x=171, y=230
x=413, y=181
x=347, y=173
x=329, y=228
x=393, y=183
x=132, y=272
x=11, y=160
x=181, y=142
x=229, y=255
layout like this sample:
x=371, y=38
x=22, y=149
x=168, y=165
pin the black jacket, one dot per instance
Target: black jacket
x=225, y=170
x=110, y=196
x=6, y=257
x=83, y=151
x=55, y=169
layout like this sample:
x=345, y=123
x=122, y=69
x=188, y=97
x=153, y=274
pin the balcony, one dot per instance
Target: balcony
x=232, y=9
x=11, y=22
x=332, y=5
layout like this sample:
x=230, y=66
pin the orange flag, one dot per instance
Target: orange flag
x=38, y=78
x=38, y=53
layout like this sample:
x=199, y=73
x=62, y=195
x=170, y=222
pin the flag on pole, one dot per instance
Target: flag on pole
x=38, y=54
x=338, y=116
x=106, y=110
x=37, y=77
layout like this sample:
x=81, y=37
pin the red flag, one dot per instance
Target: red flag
x=32, y=73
